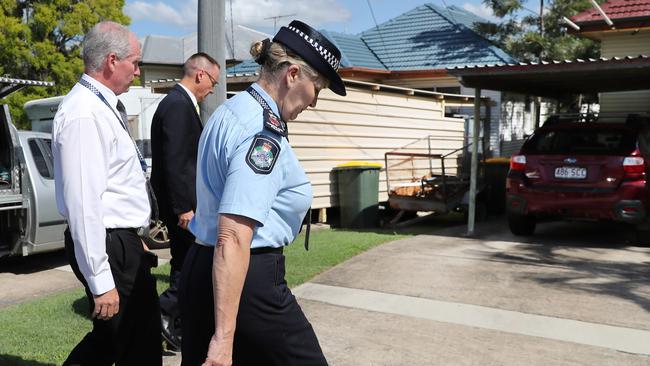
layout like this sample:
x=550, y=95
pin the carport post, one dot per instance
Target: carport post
x=473, y=169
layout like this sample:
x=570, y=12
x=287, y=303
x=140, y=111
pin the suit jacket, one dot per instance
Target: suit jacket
x=175, y=131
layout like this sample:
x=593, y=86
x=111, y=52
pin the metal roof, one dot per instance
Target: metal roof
x=427, y=37
x=10, y=85
x=354, y=51
x=559, y=78
x=431, y=37
x=615, y=10
x=174, y=50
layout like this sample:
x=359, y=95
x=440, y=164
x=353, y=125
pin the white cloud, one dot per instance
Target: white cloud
x=482, y=11
x=251, y=13
x=159, y=12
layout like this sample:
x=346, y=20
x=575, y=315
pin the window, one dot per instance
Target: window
x=40, y=149
x=582, y=141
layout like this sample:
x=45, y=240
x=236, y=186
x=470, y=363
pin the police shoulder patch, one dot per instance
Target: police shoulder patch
x=262, y=154
x=274, y=123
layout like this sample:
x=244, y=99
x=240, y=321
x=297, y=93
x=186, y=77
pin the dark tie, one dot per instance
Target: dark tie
x=125, y=117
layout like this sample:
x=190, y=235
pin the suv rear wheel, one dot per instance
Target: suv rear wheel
x=643, y=235
x=521, y=225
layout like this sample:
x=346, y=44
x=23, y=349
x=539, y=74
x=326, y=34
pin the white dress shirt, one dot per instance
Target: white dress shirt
x=192, y=97
x=98, y=178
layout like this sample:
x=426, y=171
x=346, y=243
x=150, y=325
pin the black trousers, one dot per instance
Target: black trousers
x=180, y=241
x=132, y=336
x=271, y=327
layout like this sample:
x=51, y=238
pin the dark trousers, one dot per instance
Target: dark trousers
x=271, y=327
x=180, y=241
x=132, y=336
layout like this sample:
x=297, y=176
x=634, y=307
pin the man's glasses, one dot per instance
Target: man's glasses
x=212, y=80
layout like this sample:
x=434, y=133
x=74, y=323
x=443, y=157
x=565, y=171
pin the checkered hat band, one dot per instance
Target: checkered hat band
x=324, y=52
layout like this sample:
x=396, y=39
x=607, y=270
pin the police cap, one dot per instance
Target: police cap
x=315, y=49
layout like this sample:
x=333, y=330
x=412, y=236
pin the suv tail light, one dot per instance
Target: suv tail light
x=518, y=162
x=634, y=167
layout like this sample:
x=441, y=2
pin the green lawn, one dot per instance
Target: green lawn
x=43, y=331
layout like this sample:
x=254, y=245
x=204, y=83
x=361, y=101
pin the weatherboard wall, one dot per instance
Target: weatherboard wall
x=363, y=126
x=621, y=44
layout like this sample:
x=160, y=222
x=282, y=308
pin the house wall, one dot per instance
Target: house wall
x=363, y=126
x=494, y=119
x=621, y=44
x=518, y=120
x=160, y=72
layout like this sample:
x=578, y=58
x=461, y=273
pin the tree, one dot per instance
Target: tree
x=527, y=36
x=41, y=39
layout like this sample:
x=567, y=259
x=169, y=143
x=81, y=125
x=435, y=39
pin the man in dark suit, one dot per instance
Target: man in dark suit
x=175, y=132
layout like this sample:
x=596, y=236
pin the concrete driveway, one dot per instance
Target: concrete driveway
x=573, y=294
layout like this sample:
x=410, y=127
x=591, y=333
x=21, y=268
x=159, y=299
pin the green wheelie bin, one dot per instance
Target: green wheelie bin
x=358, y=188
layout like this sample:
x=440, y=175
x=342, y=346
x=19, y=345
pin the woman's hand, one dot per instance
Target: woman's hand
x=219, y=353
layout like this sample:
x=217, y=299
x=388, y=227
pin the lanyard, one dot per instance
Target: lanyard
x=153, y=202
x=93, y=89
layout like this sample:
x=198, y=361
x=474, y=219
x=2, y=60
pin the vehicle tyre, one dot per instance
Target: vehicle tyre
x=521, y=225
x=643, y=236
x=158, y=237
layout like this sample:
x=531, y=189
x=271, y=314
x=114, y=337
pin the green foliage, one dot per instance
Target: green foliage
x=519, y=31
x=40, y=40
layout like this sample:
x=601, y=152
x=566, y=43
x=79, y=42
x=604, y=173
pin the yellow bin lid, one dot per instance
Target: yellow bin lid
x=359, y=164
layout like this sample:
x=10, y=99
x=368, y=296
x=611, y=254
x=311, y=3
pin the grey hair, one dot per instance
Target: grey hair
x=105, y=38
x=277, y=57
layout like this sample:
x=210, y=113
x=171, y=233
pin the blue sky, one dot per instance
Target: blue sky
x=178, y=18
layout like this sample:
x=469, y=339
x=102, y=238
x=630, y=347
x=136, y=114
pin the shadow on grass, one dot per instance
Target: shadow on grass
x=9, y=360
x=426, y=225
x=161, y=277
x=81, y=307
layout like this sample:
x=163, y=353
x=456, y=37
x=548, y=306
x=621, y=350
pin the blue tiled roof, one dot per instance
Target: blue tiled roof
x=354, y=52
x=427, y=37
x=431, y=37
x=245, y=67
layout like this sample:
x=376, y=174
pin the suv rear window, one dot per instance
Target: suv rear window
x=581, y=141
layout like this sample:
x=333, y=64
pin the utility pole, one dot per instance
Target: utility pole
x=275, y=19
x=212, y=40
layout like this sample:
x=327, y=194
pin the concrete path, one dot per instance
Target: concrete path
x=574, y=294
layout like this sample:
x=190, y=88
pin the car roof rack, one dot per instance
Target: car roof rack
x=10, y=85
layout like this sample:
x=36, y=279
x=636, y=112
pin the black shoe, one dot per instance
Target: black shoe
x=170, y=333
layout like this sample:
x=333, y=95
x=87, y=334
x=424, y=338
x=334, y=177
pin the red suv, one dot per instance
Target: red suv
x=585, y=171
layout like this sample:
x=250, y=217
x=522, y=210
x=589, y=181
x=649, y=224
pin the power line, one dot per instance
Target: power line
x=372, y=13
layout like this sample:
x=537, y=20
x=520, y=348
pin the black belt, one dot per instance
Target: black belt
x=265, y=250
x=134, y=230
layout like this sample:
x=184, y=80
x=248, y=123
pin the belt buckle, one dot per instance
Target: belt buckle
x=143, y=231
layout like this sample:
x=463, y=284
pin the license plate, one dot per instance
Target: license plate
x=570, y=172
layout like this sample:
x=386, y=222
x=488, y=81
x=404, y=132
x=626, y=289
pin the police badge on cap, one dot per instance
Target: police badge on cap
x=315, y=49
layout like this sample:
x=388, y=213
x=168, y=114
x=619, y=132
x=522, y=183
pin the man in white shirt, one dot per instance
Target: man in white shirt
x=101, y=191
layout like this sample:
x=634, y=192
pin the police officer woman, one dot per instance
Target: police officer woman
x=252, y=197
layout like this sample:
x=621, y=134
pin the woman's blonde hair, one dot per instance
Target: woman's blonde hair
x=274, y=56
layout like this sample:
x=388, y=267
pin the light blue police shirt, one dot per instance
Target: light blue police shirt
x=227, y=184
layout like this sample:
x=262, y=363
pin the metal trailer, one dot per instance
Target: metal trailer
x=438, y=193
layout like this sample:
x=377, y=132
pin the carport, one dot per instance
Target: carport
x=552, y=80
